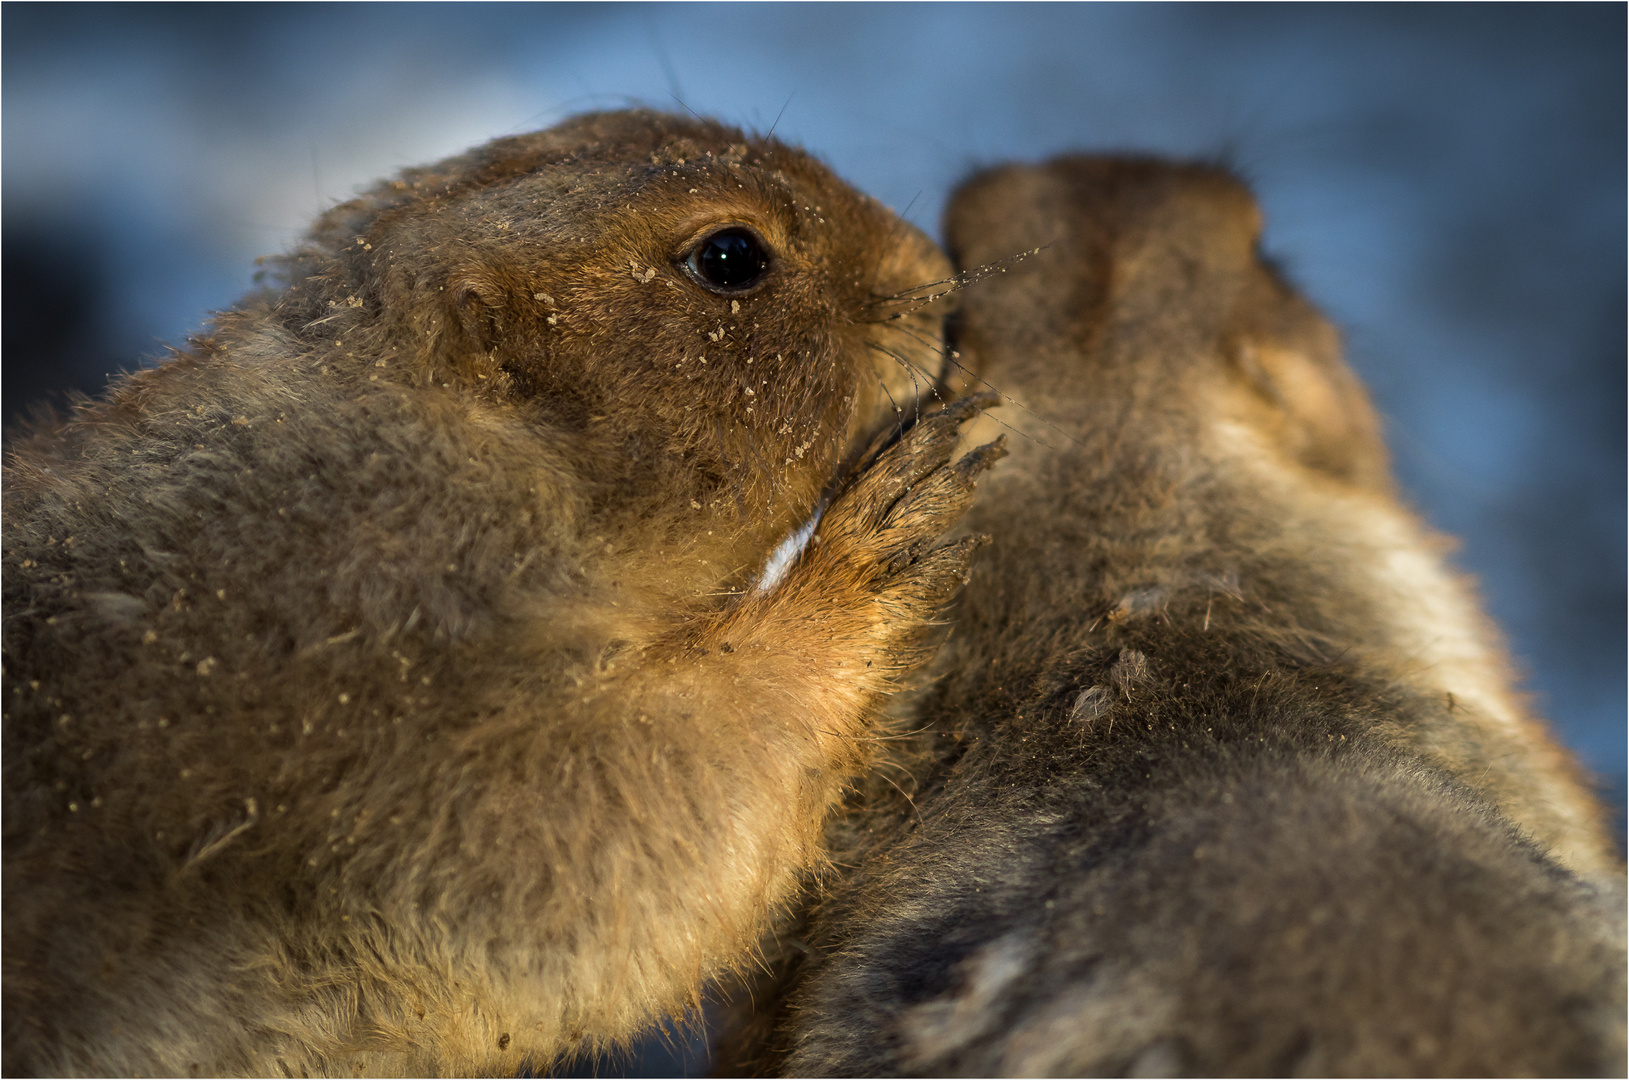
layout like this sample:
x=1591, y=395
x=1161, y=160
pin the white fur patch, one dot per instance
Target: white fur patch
x=781, y=558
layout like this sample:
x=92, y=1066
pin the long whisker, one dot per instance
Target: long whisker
x=916, y=371
x=934, y=390
x=916, y=389
x=953, y=358
x=905, y=214
x=919, y=296
x=897, y=410
x=685, y=107
x=897, y=229
x=777, y=123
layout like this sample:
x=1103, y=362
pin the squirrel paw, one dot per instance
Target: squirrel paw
x=905, y=495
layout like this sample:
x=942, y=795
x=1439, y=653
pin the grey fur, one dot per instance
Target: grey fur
x=1224, y=775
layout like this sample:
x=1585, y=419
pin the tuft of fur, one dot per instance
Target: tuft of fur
x=385, y=687
x=1225, y=775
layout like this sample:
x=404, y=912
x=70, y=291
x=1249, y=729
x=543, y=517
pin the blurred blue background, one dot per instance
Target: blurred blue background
x=1447, y=182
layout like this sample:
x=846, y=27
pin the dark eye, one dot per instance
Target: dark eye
x=729, y=260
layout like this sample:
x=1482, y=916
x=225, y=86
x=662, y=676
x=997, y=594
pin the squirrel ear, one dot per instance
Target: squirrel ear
x=1325, y=418
x=477, y=304
x=477, y=318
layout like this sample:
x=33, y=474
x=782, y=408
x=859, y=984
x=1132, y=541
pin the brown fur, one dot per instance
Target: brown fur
x=1225, y=774
x=388, y=684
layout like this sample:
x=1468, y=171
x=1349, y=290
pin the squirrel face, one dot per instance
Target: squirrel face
x=661, y=286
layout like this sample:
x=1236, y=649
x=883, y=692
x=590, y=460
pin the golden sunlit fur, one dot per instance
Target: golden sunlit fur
x=389, y=682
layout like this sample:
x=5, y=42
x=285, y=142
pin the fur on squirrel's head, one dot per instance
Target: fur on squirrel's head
x=1180, y=315
x=673, y=283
